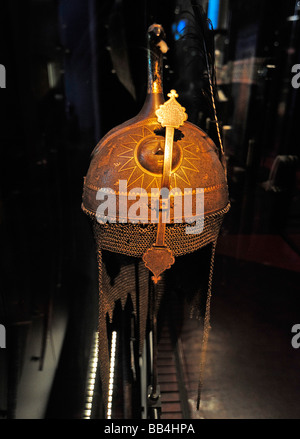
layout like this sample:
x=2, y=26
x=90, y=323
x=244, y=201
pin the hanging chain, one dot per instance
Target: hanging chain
x=215, y=109
x=100, y=268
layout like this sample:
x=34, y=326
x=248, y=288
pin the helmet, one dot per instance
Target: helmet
x=122, y=196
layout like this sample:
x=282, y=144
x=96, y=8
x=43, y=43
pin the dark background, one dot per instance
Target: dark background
x=75, y=69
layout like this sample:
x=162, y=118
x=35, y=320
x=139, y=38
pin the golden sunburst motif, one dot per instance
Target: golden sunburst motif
x=141, y=159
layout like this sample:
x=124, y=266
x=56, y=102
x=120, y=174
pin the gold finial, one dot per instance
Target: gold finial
x=173, y=94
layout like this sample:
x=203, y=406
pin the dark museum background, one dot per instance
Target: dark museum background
x=74, y=70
